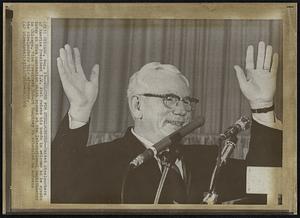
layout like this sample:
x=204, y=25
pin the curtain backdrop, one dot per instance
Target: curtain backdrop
x=205, y=51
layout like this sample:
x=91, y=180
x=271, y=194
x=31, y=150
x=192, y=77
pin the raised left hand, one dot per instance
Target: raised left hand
x=259, y=83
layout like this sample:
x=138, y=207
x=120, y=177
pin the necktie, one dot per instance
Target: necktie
x=174, y=190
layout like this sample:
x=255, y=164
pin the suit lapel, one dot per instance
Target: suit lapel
x=135, y=147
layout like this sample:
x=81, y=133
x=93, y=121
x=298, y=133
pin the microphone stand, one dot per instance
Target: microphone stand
x=167, y=160
x=211, y=196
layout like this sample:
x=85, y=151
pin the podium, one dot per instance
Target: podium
x=265, y=180
x=263, y=186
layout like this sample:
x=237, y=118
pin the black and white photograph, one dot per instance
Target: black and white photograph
x=164, y=111
x=150, y=108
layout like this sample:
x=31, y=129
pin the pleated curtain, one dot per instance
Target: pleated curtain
x=205, y=51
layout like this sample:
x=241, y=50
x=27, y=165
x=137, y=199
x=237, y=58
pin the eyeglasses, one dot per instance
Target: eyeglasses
x=172, y=100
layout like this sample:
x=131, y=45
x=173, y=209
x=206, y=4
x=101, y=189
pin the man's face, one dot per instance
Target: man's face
x=158, y=121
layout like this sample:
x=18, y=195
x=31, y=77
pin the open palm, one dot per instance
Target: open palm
x=259, y=84
x=81, y=93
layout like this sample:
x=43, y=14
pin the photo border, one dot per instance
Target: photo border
x=284, y=11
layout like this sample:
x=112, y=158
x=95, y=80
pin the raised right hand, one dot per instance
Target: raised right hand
x=81, y=93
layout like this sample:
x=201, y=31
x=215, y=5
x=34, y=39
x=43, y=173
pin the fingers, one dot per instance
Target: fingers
x=69, y=58
x=63, y=57
x=267, y=59
x=240, y=76
x=78, y=63
x=274, y=64
x=264, y=58
x=260, y=55
x=61, y=71
x=67, y=65
x=249, y=58
x=267, y=63
x=94, y=77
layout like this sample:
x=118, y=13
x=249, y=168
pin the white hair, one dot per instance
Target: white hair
x=137, y=82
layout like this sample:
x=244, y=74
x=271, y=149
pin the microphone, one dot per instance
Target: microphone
x=167, y=141
x=242, y=124
x=229, y=146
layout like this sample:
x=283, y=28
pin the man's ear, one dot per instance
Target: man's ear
x=135, y=107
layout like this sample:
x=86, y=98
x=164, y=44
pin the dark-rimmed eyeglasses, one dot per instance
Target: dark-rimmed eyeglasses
x=172, y=100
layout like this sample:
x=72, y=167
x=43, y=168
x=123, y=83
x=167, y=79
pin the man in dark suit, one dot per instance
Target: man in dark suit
x=160, y=103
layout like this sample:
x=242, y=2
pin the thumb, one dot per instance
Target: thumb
x=95, y=74
x=240, y=76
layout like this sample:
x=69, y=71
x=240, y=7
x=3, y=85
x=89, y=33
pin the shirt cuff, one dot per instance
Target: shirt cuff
x=268, y=119
x=74, y=124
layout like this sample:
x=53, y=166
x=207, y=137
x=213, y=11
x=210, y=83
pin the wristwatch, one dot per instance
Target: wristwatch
x=263, y=110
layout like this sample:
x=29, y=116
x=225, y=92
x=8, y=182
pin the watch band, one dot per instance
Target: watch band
x=263, y=110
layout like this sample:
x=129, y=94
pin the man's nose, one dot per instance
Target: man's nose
x=179, y=108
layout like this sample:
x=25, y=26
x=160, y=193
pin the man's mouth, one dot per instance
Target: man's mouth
x=175, y=123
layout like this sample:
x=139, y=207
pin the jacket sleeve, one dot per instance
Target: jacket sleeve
x=265, y=147
x=67, y=150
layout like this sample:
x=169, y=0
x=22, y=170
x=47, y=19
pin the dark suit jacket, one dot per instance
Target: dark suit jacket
x=94, y=174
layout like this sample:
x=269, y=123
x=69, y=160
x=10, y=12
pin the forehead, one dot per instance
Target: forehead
x=162, y=82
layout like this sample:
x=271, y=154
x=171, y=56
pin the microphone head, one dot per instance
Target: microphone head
x=244, y=123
